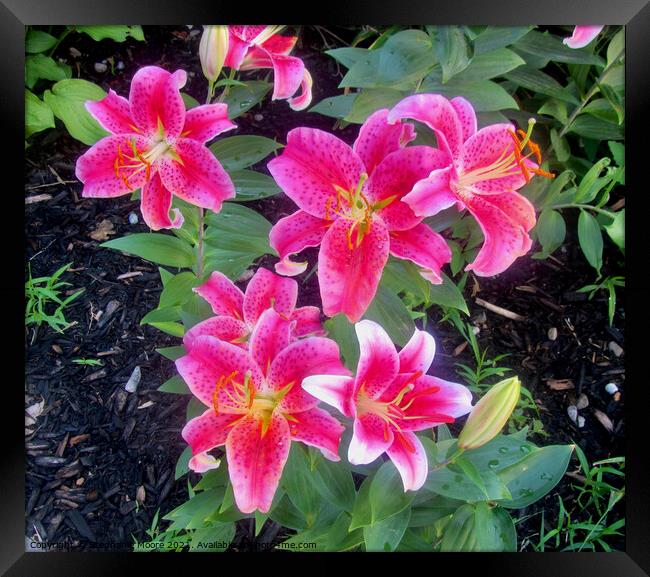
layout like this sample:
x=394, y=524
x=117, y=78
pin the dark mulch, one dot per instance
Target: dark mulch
x=100, y=460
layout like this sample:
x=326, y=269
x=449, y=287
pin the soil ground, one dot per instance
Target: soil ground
x=100, y=460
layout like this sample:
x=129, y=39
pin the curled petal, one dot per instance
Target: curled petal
x=205, y=122
x=432, y=194
x=222, y=294
x=396, y=175
x=408, y=455
x=155, y=203
x=312, y=165
x=317, y=428
x=281, y=45
x=237, y=47
x=582, y=35
x=269, y=337
x=438, y=114
x=224, y=328
x=301, y=359
x=303, y=100
x=257, y=453
x=349, y=273
x=378, y=138
x=265, y=290
x=466, y=116
x=291, y=235
x=112, y=113
x=196, y=176
x=206, y=432
x=101, y=168
x=210, y=361
x=335, y=390
x=156, y=103
x=423, y=246
x=371, y=437
x=288, y=71
x=306, y=321
x=417, y=354
x=378, y=360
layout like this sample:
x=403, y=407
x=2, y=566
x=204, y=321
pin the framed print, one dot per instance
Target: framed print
x=351, y=284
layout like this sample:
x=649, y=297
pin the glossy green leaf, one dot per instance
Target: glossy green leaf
x=495, y=37
x=212, y=539
x=362, y=509
x=159, y=248
x=591, y=239
x=386, y=535
x=540, y=82
x=178, y=290
x=389, y=311
x=490, y=65
x=251, y=185
x=335, y=483
x=485, y=96
x=243, y=98
x=38, y=115
x=340, y=329
x=550, y=230
x=38, y=41
x=447, y=294
x=451, y=49
x=616, y=229
x=117, y=33
x=370, y=100
x=335, y=106
x=175, y=385
x=387, y=496
x=596, y=128
x=41, y=66
x=551, y=47
x=172, y=353
x=296, y=481
x=479, y=527
x=237, y=152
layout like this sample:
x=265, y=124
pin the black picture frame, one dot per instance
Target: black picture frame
x=634, y=14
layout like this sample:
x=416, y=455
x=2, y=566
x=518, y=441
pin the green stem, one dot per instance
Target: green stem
x=60, y=39
x=226, y=90
x=448, y=461
x=608, y=213
x=210, y=91
x=199, y=244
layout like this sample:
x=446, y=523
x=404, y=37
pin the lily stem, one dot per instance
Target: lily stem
x=226, y=90
x=604, y=211
x=199, y=244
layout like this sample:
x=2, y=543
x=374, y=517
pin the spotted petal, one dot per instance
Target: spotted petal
x=222, y=294
x=417, y=354
x=270, y=335
x=432, y=194
x=206, y=432
x=371, y=437
x=423, y=246
x=225, y=328
x=335, y=390
x=317, y=428
x=113, y=113
x=203, y=123
x=265, y=290
x=378, y=360
x=155, y=203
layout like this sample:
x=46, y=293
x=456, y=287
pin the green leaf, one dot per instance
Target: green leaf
x=175, y=385
x=386, y=535
x=453, y=483
x=555, y=108
x=389, y=311
x=335, y=483
x=67, y=100
x=194, y=512
x=560, y=146
x=590, y=184
x=539, y=81
x=550, y=47
x=117, y=33
x=286, y=514
x=213, y=539
x=550, y=230
x=405, y=58
x=616, y=46
x=189, y=101
x=484, y=96
x=592, y=127
x=340, y=329
x=533, y=477
x=38, y=115
x=172, y=353
x=616, y=229
x=490, y=65
x=297, y=482
x=451, y=49
x=427, y=512
x=178, y=290
x=38, y=41
x=235, y=237
x=237, y=152
x=362, y=510
x=495, y=37
x=499, y=453
x=387, y=496
x=348, y=56
x=251, y=185
x=182, y=465
x=591, y=239
x=159, y=248
x=41, y=66
x=370, y=100
x=170, y=328
x=243, y=98
x=447, y=294
x=479, y=527
x=335, y=106
x=161, y=315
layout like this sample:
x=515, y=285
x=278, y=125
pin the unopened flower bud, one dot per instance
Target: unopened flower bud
x=212, y=50
x=490, y=414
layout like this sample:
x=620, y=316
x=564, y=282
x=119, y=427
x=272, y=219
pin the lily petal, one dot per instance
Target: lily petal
x=270, y=335
x=113, y=113
x=417, y=354
x=378, y=138
x=288, y=71
x=281, y=45
x=317, y=428
x=335, y=390
x=432, y=194
x=265, y=290
x=423, y=246
x=197, y=177
x=206, y=432
x=155, y=203
x=222, y=294
x=237, y=47
x=378, y=360
x=371, y=437
x=408, y=455
x=306, y=321
x=301, y=359
x=96, y=168
x=303, y=100
x=156, y=102
x=291, y=234
x=256, y=460
x=466, y=116
x=210, y=360
x=225, y=328
x=582, y=35
x=349, y=277
x=311, y=165
x=204, y=122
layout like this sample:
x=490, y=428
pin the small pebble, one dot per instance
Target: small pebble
x=134, y=380
x=611, y=388
x=552, y=333
x=133, y=218
x=583, y=402
x=581, y=422
x=100, y=67
x=259, y=117
x=615, y=348
x=572, y=411
x=120, y=65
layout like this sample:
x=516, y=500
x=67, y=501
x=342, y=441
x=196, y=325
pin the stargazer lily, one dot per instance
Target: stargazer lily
x=252, y=47
x=237, y=313
x=350, y=201
x=390, y=398
x=483, y=170
x=256, y=406
x=158, y=146
x=582, y=36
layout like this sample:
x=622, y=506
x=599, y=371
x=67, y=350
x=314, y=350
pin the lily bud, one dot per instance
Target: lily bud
x=212, y=50
x=490, y=414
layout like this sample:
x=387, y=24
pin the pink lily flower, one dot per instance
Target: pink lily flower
x=390, y=398
x=252, y=47
x=483, y=170
x=350, y=201
x=256, y=405
x=582, y=35
x=238, y=312
x=158, y=146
